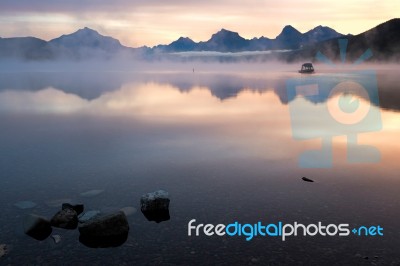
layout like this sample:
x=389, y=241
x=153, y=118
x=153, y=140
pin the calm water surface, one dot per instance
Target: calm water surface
x=220, y=143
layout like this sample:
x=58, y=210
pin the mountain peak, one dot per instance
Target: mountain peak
x=225, y=32
x=289, y=29
x=86, y=30
x=320, y=33
x=89, y=38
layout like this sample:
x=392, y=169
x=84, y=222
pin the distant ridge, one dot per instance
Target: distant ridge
x=86, y=43
x=230, y=41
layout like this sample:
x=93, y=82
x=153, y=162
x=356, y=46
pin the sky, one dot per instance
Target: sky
x=150, y=22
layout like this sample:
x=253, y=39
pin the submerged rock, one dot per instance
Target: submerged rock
x=106, y=231
x=66, y=218
x=155, y=206
x=307, y=179
x=37, y=227
x=77, y=207
x=56, y=238
x=26, y=204
x=86, y=216
x=3, y=250
x=92, y=193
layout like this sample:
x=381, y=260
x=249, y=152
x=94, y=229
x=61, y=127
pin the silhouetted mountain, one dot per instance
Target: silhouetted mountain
x=289, y=38
x=383, y=40
x=87, y=38
x=380, y=43
x=229, y=41
x=85, y=43
x=320, y=34
x=82, y=44
x=224, y=41
x=183, y=44
x=23, y=48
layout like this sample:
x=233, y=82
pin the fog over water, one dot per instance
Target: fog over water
x=219, y=137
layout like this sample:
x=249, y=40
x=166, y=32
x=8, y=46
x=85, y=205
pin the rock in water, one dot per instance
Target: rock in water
x=77, y=207
x=92, y=193
x=155, y=206
x=37, y=227
x=86, y=216
x=106, y=231
x=3, y=250
x=26, y=204
x=66, y=218
x=307, y=179
x=56, y=238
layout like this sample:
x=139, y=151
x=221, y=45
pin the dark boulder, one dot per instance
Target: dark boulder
x=66, y=218
x=155, y=206
x=37, y=227
x=77, y=207
x=106, y=231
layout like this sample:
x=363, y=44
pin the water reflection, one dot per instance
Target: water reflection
x=221, y=144
x=231, y=101
x=91, y=85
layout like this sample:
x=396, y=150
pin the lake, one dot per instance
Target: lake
x=225, y=142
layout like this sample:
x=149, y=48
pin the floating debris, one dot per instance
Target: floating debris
x=3, y=250
x=129, y=210
x=307, y=179
x=56, y=238
x=92, y=193
x=26, y=204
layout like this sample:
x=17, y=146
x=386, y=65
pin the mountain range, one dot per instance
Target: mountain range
x=289, y=45
x=229, y=41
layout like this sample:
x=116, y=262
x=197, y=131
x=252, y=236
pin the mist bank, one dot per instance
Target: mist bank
x=223, y=80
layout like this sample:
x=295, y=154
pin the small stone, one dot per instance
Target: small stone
x=358, y=255
x=105, y=231
x=86, y=216
x=77, y=207
x=307, y=179
x=56, y=238
x=3, y=250
x=192, y=252
x=129, y=210
x=365, y=258
x=155, y=206
x=26, y=204
x=92, y=193
x=66, y=218
x=37, y=227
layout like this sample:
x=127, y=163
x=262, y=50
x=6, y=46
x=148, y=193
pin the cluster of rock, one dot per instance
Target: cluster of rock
x=97, y=230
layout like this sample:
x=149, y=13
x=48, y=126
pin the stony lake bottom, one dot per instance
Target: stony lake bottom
x=222, y=143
